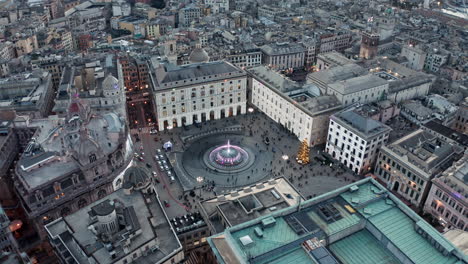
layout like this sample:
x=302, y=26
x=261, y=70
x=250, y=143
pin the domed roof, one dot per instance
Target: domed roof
x=137, y=177
x=110, y=83
x=198, y=55
x=85, y=147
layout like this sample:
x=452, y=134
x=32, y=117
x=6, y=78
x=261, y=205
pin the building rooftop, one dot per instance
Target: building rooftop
x=171, y=76
x=273, y=49
x=274, y=79
x=357, y=84
x=143, y=219
x=26, y=91
x=335, y=58
x=427, y=153
x=364, y=126
x=249, y=203
x=447, y=132
x=335, y=74
x=60, y=147
x=455, y=179
x=358, y=223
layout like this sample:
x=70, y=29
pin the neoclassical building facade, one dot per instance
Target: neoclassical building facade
x=72, y=161
x=198, y=92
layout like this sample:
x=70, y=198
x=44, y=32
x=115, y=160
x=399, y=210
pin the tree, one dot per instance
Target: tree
x=303, y=153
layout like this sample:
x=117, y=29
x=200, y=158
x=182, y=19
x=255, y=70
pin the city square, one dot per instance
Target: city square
x=233, y=132
x=273, y=160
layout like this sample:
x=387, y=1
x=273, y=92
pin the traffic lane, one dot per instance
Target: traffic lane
x=166, y=190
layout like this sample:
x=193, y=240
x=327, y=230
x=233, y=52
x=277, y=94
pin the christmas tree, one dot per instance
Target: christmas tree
x=303, y=153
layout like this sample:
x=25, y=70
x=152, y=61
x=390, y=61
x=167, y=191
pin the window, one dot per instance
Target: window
x=92, y=158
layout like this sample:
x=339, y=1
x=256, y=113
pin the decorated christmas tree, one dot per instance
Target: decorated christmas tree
x=303, y=153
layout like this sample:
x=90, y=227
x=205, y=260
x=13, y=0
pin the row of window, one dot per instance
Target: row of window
x=406, y=172
x=451, y=202
x=449, y=216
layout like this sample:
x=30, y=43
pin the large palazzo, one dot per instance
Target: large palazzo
x=193, y=93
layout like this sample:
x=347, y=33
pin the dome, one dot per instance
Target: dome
x=136, y=177
x=87, y=150
x=110, y=83
x=198, y=55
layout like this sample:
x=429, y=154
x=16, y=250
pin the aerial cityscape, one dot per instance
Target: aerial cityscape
x=233, y=131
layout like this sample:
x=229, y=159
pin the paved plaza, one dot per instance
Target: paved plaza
x=248, y=131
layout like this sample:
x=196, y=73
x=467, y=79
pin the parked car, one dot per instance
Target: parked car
x=148, y=165
x=166, y=203
x=161, y=157
x=159, y=152
x=156, y=157
x=161, y=167
x=166, y=167
x=154, y=174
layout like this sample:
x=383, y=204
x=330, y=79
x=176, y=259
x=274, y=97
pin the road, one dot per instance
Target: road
x=166, y=190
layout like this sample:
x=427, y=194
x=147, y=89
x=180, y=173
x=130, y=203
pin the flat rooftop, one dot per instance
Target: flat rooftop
x=358, y=223
x=357, y=84
x=73, y=230
x=174, y=76
x=359, y=124
x=428, y=153
x=250, y=202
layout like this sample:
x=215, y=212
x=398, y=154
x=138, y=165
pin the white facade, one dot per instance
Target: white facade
x=435, y=60
x=246, y=59
x=282, y=111
x=415, y=56
x=353, y=148
x=282, y=56
x=307, y=120
x=217, y=96
x=362, y=89
x=220, y=5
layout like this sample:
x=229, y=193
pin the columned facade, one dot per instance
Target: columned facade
x=219, y=91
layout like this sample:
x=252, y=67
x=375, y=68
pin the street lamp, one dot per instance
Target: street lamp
x=200, y=181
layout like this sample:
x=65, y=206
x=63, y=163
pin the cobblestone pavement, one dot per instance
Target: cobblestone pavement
x=311, y=180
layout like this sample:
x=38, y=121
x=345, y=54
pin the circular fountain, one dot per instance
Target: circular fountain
x=228, y=158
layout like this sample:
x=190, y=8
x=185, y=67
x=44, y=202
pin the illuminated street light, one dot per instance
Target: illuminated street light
x=200, y=181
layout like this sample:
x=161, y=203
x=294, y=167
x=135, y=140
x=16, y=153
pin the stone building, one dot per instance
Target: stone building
x=282, y=56
x=198, y=92
x=71, y=161
x=354, y=140
x=300, y=109
x=408, y=165
x=448, y=196
x=28, y=93
x=125, y=226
